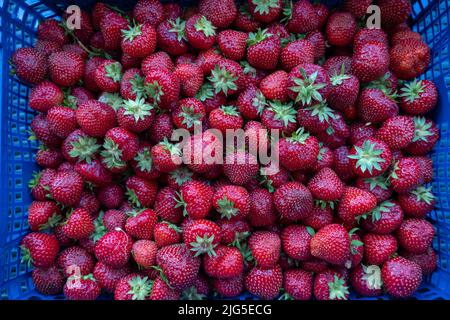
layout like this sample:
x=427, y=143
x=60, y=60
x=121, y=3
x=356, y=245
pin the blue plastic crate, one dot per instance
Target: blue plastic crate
x=18, y=23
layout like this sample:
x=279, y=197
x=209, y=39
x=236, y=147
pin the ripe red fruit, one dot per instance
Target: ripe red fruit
x=148, y=11
x=415, y=235
x=370, y=157
x=326, y=185
x=298, y=284
x=232, y=44
x=43, y=215
x=264, y=283
x=332, y=244
x=201, y=236
x=427, y=261
x=366, y=280
x=30, y=65
x=293, y=201
x=354, y=203
x=95, y=118
x=140, y=224
x=162, y=86
x=111, y=27
x=299, y=151
x=220, y=13
x=133, y=287
x=144, y=253
x=39, y=249
x=139, y=40
x=75, y=261
x=79, y=224
x=409, y=58
x=394, y=12
x=196, y=199
x=225, y=118
x=81, y=288
x=418, y=97
x=340, y=29
x=370, y=61
x=405, y=175
x=141, y=192
x=265, y=247
x=401, y=277
x=397, y=132
x=200, y=32
x=263, y=50
x=330, y=285
x=114, y=248
x=295, y=241
x=232, y=202
x=228, y=263
x=425, y=138
x=45, y=96
x=48, y=280
x=262, y=210
x=108, y=277
x=66, y=188
x=166, y=233
x=65, y=68
x=227, y=77
x=378, y=248
x=240, y=167
x=191, y=78
x=418, y=202
x=384, y=219
x=302, y=17
x=375, y=105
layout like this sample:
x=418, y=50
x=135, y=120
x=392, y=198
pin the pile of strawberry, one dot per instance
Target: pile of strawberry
x=114, y=212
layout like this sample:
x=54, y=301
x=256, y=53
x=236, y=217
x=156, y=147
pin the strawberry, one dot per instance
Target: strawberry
x=302, y=17
x=405, y=175
x=415, y=235
x=409, y=59
x=427, y=261
x=148, y=11
x=370, y=157
x=48, y=158
x=333, y=65
x=370, y=61
x=142, y=163
x=418, y=97
x=378, y=248
x=209, y=145
x=47, y=47
x=144, y=253
x=209, y=99
x=233, y=232
x=280, y=116
x=111, y=196
x=48, y=280
x=187, y=266
x=162, y=127
x=384, y=219
x=225, y=118
x=108, y=277
x=62, y=120
x=200, y=32
x=191, y=78
x=227, y=77
x=45, y=96
x=195, y=198
x=165, y=205
x=299, y=151
x=139, y=40
x=297, y=52
x=357, y=7
x=133, y=287
x=166, y=156
x=262, y=211
x=321, y=216
x=366, y=280
x=66, y=188
x=79, y=224
x=374, y=105
x=298, y=285
x=344, y=90
x=29, y=65
x=229, y=288
x=264, y=283
x=418, y=202
x=172, y=10
x=394, y=12
x=108, y=75
x=39, y=249
x=265, y=11
x=113, y=219
x=332, y=244
x=162, y=291
x=293, y=201
x=317, y=118
x=220, y=13
x=140, y=224
x=265, y=247
x=162, y=86
x=325, y=159
x=92, y=113
x=425, y=138
x=263, y=50
x=75, y=261
x=340, y=29
x=51, y=30
x=189, y=113
x=65, y=68
x=111, y=27
x=81, y=288
x=240, y=167
x=406, y=34
x=39, y=184
x=226, y=264
x=251, y=103
x=245, y=21
x=166, y=233
x=397, y=132
x=119, y=146
x=232, y=44
x=114, y=248
x=171, y=36
x=43, y=215
x=354, y=203
x=201, y=236
x=135, y=115
x=401, y=277
x=427, y=168
x=157, y=61
x=330, y=285
x=326, y=185
x=141, y=192
x=308, y=84
x=232, y=202
x=317, y=39
x=295, y=241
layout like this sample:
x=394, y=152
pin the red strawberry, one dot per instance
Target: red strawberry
x=302, y=17
x=66, y=188
x=75, y=261
x=330, y=285
x=374, y=105
x=48, y=158
x=157, y=61
x=140, y=224
x=133, y=287
x=108, y=75
x=81, y=288
x=370, y=157
x=89, y=73
x=298, y=285
x=357, y=7
x=48, y=280
x=425, y=138
x=232, y=44
x=415, y=235
x=108, y=277
x=299, y=151
x=378, y=248
x=225, y=118
x=240, y=167
x=111, y=26
x=144, y=253
x=188, y=114
x=264, y=283
x=265, y=11
x=394, y=12
x=166, y=156
x=51, y=30
x=418, y=97
x=47, y=47
x=370, y=61
x=427, y=261
x=279, y=116
x=226, y=264
x=165, y=205
x=297, y=52
x=191, y=78
x=162, y=291
x=397, y=132
x=39, y=249
x=45, y=96
x=384, y=219
x=65, y=68
x=187, y=266
x=344, y=91
x=43, y=215
x=136, y=115
x=162, y=86
x=139, y=40
x=141, y=192
x=354, y=203
x=227, y=77
x=265, y=247
x=332, y=244
x=111, y=196
x=232, y=202
x=30, y=65
x=326, y=185
x=114, y=248
x=340, y=29
x=62, y=121
x=171, y=35
x=263, y=50
x=166, y=233
x=229, y=287
x=293, y=201
x=366, y=280
x=202, y=236
x=113, y=219
x=220, y=13
x=251, y=102
x=119, y=146
x=418, y=202
x=409, y=59
x=321, y=216
x=405, y=175
x=200, y=32
x=79, y=224
x=91, y=114
x=295, y=241
x=196, y=199
x=401, y=277
x=275, y=87
x=233, y=232
x=318, y=41
x=142, y=163
x=262, y=211
x=149, y=11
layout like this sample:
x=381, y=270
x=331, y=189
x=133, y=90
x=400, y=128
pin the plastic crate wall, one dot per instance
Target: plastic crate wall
x=18, y=22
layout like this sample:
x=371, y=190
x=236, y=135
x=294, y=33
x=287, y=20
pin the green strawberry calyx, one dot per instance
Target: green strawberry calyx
x=287, y=11
x=223, y=80
x=378, y=181
x=114, y=71
x=112, y=154
x=132, y=32
x=248, y=69
x=84, y=148
x=173, y=149
x=264, y=6
x=172, y=226
x=338, y=289
x=226, y=208
x=138, y=109
x=189, y=116
x=144, y=160
x=154, y=90
x=181, y=175
x=180, y=203
x=257, y=37
x=368, y=157
x=412, y=91
x=53, y=221
x=140, y=288
x=133, y=198
x=307, y=89
x=338, y=78
x=376, y=214
x=99, y=228
x=424, y=194
x=283, y=112
x=112, y=99
x=34, y=181
x=191, y=293
x=322, y=111
x=138, y=86
x=205, y=26
x=179, y=27
x=26, y=256
x=259, y=101
x=422, y=129
x=206, y=92
x=372, y=276
x=299, y=136
x=230, y=110
x=203, y=245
